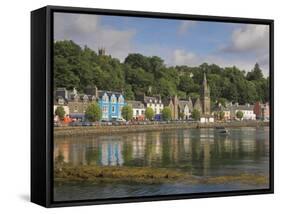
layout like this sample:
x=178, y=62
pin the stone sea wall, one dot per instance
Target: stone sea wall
x=92, y=130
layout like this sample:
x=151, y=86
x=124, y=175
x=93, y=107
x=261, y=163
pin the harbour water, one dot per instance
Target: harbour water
x=200, y=152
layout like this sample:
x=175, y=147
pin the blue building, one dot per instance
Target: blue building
x=111, y=104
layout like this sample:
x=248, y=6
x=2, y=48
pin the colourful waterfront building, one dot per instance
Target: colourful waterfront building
x=110, y=102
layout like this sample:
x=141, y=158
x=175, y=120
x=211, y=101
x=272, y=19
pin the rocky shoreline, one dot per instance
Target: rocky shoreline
x=67, y=173
x=92, y=130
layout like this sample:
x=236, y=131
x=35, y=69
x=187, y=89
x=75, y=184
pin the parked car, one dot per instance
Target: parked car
x=76, y=123
x=87, y=123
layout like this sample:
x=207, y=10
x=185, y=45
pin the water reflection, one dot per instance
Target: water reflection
x=199, y=151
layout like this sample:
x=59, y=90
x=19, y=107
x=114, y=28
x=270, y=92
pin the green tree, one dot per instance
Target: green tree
x=127, y=113
x=129, y=94
x=166, y=88
x=93, y=112
x=166, y=113
x=193, y=95
x=195, y=114
x=60, y=112
x=239, y=115
x=138, y=61
x=149, y=113
x=186, y=84
x=222, y=101
x=255, y=74
x=181, y=115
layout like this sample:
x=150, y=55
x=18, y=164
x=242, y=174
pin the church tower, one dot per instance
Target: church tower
x=101, y=51
x=205, y=97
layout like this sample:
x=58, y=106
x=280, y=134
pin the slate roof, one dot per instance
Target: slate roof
x=147, y=99
x=109, y=93
x=70, y=95
x=135, y=104
x=240, y=107
x=235, y=107
x=182, y=103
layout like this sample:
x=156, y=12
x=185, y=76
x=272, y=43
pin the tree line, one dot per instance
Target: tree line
x=79, y=67
x=93, y=113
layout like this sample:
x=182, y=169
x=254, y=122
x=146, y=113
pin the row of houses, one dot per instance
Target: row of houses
x=111, y=103
x=75, y=104
x=258, y=111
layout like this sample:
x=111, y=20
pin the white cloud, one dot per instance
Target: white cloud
x=250, y=40
x=182, y=57
x=253, y=38
x=88, y=30
x=184, y=26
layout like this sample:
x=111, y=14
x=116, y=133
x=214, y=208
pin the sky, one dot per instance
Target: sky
x=178, y=42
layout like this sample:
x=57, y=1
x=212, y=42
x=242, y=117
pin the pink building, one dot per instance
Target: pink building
x=262, y=111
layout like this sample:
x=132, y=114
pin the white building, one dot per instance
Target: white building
x=247, y=114
x=59, y=101
x=186, y=107
x=247, y=110
x=138, y=109
x=66, y=109
x=155, y=103
x=207, y=119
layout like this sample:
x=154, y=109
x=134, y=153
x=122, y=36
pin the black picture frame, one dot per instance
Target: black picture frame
x=42, y=101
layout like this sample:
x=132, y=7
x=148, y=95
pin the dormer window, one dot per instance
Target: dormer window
x=105, y=98
x=150, y=100
x=113, y=99
x=120, y=99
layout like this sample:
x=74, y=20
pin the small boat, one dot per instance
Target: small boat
x=219, y=127
x=222, y=130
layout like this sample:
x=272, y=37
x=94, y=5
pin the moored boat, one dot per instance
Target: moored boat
x=222, y=130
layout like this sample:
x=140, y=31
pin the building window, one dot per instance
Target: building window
x=104, y=109
x=61, y=102
x=137, y=112
x=113, y=99
x=105, y=98
x=121, y=99
x=113, y=109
